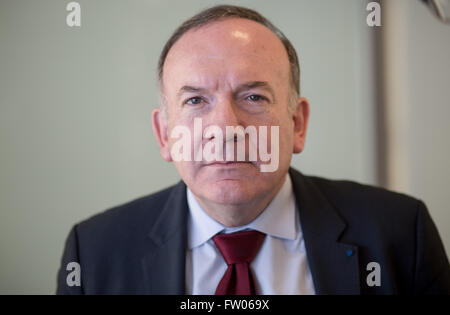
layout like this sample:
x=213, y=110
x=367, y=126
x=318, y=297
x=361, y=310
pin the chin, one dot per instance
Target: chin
x=230, y=191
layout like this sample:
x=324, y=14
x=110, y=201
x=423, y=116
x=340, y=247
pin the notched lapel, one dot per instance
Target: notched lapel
x=334, y=265
x=164, y=265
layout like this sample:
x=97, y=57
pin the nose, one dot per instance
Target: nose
x=224, y=114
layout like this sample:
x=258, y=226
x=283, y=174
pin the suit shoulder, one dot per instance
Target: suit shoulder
x=345, y=194
x=373, y=213
x=129, y=216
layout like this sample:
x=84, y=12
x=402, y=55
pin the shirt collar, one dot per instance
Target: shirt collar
x=277, y=220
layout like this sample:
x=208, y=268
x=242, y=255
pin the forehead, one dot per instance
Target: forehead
x=226, y=52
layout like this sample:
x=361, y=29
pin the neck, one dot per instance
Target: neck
x=232, y=215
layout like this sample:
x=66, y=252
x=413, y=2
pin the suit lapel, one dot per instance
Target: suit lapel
x=164, y=265
x=334, y=265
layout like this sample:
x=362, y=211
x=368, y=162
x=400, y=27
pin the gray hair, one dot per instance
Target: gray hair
x=221, y=12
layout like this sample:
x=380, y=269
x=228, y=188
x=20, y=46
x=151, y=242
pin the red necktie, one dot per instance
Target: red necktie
x=238, y=249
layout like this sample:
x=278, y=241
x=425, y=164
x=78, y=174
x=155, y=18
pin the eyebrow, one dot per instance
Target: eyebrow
x=241, y=88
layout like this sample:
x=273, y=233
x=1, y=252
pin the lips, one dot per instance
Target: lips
x=228, y=163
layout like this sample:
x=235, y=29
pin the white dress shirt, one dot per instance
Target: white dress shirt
x=281, y=265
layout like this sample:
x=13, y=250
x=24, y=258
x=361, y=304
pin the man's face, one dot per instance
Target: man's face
x=210, y=73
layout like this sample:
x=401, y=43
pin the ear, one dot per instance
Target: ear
x=301, y=118
x=160, y=129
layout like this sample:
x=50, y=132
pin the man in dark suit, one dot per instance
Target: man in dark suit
x=248, y=224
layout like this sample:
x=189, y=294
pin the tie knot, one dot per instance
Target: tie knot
x=240, y=247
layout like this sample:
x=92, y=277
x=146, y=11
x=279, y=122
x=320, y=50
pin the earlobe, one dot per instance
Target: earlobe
x=159, y=124
x=301, y=118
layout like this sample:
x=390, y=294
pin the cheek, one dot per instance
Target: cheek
x=285, y=126
x=286, y=136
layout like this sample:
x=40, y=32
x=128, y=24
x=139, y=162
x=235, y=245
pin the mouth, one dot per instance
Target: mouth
x=228, y=164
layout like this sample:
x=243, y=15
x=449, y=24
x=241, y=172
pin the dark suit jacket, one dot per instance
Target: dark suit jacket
x=140, y=247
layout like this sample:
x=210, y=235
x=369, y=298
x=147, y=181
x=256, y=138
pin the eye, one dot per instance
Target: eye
x=256, y=98
x=194, y=100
